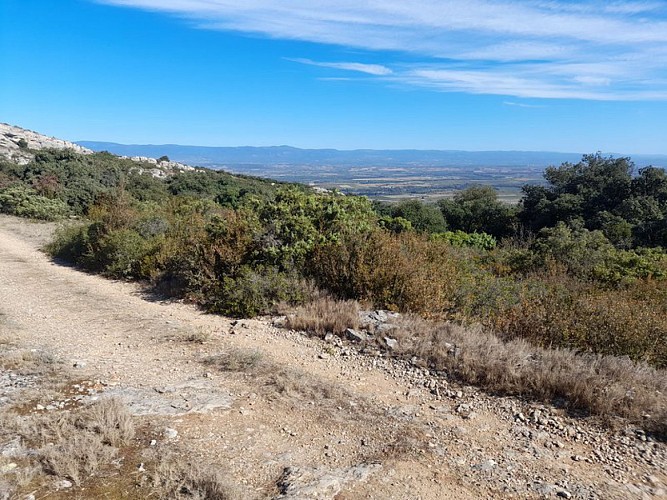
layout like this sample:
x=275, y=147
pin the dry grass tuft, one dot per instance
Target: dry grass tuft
x=297, y=384
x=110, y=420
x=76, y=457
x=84, y=445
x=325, y=315
x=71, y=445
x=173, y=477
x=275, y=379
x=600, y=385
x=24, y=360
x=236, y=360
x=197, y=336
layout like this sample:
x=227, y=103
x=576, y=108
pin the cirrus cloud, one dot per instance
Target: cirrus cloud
x=557, y=49
x=370, y=69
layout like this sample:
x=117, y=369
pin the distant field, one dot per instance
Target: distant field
x=379, y=174
x=390, y=183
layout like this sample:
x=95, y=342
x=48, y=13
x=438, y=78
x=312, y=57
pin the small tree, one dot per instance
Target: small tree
x=424, y=217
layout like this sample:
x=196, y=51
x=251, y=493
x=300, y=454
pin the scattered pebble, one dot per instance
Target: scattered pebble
x=170, y=433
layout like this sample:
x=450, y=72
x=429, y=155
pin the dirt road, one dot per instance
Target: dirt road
x=310, y=419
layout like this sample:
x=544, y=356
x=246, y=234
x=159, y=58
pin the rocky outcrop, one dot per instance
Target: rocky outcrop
x=301, y=483
x=162, y=168
x=16, y=143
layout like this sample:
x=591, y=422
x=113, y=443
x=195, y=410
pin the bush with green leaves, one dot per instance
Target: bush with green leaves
x=295, y=222
x=590, y=255
x=423, y=217
x=26, y=202
x=601, y=193
x=124, y=253
x=395, y=224
x=70, y=243
x=478, y=210
x=256, y=290
x=481, y=241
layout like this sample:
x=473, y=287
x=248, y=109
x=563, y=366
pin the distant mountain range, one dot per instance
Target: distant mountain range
x=286, y=155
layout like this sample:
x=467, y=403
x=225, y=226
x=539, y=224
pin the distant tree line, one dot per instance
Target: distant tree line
x=597, y=194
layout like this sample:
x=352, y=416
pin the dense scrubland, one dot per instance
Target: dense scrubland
x=579, y=263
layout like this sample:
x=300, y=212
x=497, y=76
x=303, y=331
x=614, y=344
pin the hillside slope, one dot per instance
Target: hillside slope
x=15, y=142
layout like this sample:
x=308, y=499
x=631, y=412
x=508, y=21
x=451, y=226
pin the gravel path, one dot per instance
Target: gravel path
x=353, y=426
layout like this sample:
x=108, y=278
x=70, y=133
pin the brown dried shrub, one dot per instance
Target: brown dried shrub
x=324, y=315
x=173, y=477
x=606, y=386
x=405, y=272
x=236, y=360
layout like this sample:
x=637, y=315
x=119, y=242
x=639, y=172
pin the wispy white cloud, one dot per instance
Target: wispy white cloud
x=334, y=79
x=370, y=69
x=522, y=104
x=589, y=49
x=531, y=82
x=598, y=81
x=618, y=7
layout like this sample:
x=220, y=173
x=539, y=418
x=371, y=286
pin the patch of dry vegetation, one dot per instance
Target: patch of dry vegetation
x=324, y=315
x=26, y=361
x=607, y=386
x=92, y=446
x=191, y=336
x=403, y=272
x=174, y=477
x=57, y=444
x=295, y=383
x=67, y=445
x=600, y=385
x=278, y=380
x=237, y=360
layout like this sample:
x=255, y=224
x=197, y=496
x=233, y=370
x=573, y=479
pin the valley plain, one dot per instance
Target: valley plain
x=387, y=175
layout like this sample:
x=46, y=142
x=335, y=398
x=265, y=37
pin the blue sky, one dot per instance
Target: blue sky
x=555, y=75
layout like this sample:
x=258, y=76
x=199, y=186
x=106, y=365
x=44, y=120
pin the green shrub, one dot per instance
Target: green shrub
x=255, y=291
x=70, y=243
x=395, y=224
x=423, y=217
x=589, y=255
x=124, y=253
x=295, y=222
x=481, y=241
x=26, y=202
x=478, y=210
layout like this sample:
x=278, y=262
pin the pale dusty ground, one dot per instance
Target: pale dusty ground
x=425, y=448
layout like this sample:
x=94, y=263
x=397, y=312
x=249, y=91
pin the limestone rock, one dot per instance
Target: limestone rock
x=320, y=483
x=13, y=138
